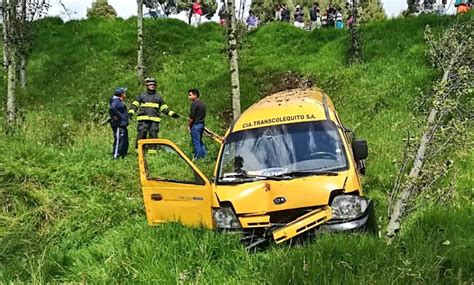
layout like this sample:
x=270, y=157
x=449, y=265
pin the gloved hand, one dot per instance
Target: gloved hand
x=130, y=116
x=175, y=115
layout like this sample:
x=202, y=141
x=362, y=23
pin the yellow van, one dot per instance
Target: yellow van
x=287, y=166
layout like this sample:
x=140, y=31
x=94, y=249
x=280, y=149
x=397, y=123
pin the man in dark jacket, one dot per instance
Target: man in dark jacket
x=197, y=115
x=119, y=122
x=299, y=17
x=148, y=107
x=285, y=13
x=314, y=15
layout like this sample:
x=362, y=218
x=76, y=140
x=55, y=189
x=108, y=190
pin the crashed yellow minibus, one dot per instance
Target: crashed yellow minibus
x=287, y=166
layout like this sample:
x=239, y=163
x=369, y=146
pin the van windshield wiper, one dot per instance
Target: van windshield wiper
x=301, y=173
x=237, y=176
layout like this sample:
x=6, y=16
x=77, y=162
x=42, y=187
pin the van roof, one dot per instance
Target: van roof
x=291, y=106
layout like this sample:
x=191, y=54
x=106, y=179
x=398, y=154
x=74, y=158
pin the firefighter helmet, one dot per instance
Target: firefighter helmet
x=150, y=80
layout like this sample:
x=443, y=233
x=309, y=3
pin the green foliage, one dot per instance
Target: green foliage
x=101, y=9
x=371, y=10
x=72, y=214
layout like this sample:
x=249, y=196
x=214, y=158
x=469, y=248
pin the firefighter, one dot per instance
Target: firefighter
x=148, y=107
x=119, y=122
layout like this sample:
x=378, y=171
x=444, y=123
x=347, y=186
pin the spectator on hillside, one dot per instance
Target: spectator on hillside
x=285, y=13
x=278, y=12
x=196, y=13
x=315, y=17
x=223, y=16
x=299, y=17
x=339, y=20
x=331, y=15
x=324, y=22
x=252, y=21
x=463, y=7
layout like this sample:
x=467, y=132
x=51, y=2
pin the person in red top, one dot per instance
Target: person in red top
x=197, y=13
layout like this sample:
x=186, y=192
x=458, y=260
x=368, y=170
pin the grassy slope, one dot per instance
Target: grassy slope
x=72, y=214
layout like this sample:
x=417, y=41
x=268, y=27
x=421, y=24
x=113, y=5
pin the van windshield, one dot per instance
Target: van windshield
x=282, y=151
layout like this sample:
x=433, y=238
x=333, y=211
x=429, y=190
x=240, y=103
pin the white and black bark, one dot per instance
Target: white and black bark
x=233, y=59
x=355, y=51
x=17, y=39
x=5, y=34
x=11, y=88
x=23, y=49
x=10, y=53
x=140, y=66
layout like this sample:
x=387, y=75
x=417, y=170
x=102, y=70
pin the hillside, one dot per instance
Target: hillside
x=71, y=214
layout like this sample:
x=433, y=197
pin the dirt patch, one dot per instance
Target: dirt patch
x=288, y=80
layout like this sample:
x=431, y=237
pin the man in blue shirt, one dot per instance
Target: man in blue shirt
x=119, y=122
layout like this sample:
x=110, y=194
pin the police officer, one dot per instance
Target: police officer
x=119, y=122
x=149, y=105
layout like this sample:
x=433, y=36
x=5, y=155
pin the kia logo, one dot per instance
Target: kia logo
x=279, y=200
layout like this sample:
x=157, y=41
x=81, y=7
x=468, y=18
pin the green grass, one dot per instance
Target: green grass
x=71, y=214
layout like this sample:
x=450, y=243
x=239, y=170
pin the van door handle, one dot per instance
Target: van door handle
x=156, y=197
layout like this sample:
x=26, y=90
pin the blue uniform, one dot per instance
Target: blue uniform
x=119, y=123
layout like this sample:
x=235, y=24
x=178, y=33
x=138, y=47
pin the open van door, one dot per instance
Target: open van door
x=174, y=189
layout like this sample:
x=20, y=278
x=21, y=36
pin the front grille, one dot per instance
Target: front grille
x=287, y=216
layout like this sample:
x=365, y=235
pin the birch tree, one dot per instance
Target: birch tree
x=233, y=58
x=18, y=34
x=140, y=66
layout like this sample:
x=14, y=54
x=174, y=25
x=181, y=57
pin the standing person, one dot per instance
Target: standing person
x=314, y=15
x=252, y=21
x=285, y=13
x=278, y=12
x=197, y=115
x=339, y=20
x=331, y=15
x=119, y=122
x=149, y=106
x=299, y=17
x=196, y=13
x=223, y=16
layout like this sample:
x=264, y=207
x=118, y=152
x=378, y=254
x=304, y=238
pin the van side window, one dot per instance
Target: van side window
x=161, y=162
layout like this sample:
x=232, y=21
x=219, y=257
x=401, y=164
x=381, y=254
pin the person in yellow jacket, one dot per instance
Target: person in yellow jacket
x=148, y=107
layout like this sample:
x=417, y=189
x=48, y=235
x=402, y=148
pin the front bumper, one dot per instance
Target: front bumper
x=365, y=223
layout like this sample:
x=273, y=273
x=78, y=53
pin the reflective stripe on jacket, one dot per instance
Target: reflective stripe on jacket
x=149, y=106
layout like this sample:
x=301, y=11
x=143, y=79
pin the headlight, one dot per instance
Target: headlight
x=348, y=206
x=225, y=218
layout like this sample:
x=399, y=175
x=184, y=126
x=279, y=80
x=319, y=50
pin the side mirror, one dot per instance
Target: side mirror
x=360, y=149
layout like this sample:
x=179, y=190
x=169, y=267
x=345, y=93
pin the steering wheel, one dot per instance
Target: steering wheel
x=324, y=154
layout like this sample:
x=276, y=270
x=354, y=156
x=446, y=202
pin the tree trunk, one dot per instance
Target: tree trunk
x=9, y=13
x=11, y=88
x=404, y=197
x=234, y=61
x=5, y=34
x=355, y=50
x=22, y=51
x=140, y=67
x=23, y=63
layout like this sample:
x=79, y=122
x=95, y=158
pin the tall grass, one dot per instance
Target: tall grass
x=72, y=214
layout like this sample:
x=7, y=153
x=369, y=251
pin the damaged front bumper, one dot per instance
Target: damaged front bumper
x=260, y=230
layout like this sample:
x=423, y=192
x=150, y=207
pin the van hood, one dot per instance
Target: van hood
x=268, y=195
